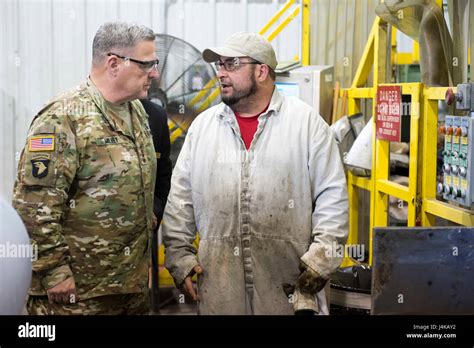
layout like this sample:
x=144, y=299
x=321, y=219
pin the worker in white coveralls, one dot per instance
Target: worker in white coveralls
x=260, y=177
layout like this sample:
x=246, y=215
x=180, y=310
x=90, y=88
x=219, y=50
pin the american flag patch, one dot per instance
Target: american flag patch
x=41, y=143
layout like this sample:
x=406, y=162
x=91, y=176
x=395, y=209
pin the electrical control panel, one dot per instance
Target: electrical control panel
x=458, y=157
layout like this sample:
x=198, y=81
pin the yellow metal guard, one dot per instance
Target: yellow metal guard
x=420, y=195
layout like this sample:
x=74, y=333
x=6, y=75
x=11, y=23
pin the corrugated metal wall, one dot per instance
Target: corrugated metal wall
x=45, y=45
x=339, y=31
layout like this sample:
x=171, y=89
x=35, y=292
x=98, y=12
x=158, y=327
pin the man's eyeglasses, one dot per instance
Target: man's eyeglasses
x=232, y=64
x=145, y=65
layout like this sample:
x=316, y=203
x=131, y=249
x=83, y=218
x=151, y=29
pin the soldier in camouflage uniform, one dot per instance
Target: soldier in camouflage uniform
x=86, y=180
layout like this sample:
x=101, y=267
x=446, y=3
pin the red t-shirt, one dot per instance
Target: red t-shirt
x=248, y=126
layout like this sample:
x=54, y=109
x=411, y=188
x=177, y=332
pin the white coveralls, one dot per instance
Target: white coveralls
x=258, y=212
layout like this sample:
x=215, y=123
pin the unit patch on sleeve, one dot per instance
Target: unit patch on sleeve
x=41, y=143
x=40, y=165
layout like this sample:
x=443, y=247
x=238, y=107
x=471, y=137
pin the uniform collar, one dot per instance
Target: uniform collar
x=224, y=111
x=115, y=122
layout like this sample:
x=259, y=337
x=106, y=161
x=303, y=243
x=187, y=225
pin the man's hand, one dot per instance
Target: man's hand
x=309, y=280
x=64, y=292
x=188, y=283
x=154, y=222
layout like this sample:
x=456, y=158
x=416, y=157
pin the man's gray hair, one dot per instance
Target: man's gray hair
x=117, y=36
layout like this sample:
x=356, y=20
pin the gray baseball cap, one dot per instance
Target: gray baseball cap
x=243, y=44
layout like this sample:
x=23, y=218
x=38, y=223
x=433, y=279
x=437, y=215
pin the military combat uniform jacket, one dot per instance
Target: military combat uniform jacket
x=85, y=193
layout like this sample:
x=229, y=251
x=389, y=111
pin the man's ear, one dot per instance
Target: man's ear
x=113, y=65
x=263, y=71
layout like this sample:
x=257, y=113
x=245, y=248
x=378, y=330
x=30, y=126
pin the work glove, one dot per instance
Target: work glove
x=303, y=293
x=309, y=280
x=303, y=302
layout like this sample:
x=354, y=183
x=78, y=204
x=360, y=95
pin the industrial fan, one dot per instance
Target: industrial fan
x=187, y=86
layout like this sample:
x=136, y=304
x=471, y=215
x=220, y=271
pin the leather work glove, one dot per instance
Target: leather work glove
x=309, y=280
x=303, y=293
x=303, y=302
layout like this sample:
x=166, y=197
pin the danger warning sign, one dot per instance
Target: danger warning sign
x=389, y=109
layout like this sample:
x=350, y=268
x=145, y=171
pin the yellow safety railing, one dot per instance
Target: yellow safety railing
x=305, y=10
x=305, y=19
x=420, y=194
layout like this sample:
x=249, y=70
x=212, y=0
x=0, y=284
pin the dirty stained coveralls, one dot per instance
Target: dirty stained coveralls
x=85, y=193
x=258, y=212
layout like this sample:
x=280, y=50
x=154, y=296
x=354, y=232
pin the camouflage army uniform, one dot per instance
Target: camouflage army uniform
x=85, y=193
x=130, y=304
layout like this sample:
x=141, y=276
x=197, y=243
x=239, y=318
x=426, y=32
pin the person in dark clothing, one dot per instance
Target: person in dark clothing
x=158, y=122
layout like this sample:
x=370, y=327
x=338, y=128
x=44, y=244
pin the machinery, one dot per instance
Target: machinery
x=457, y=183
x=422, y=271
x=313, y=84
x=415, y=270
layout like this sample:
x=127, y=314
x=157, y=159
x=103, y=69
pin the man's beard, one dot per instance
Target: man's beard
x=242, y=94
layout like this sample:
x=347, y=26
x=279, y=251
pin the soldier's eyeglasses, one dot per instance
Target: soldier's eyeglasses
x=232, y=64
x=145, y=65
